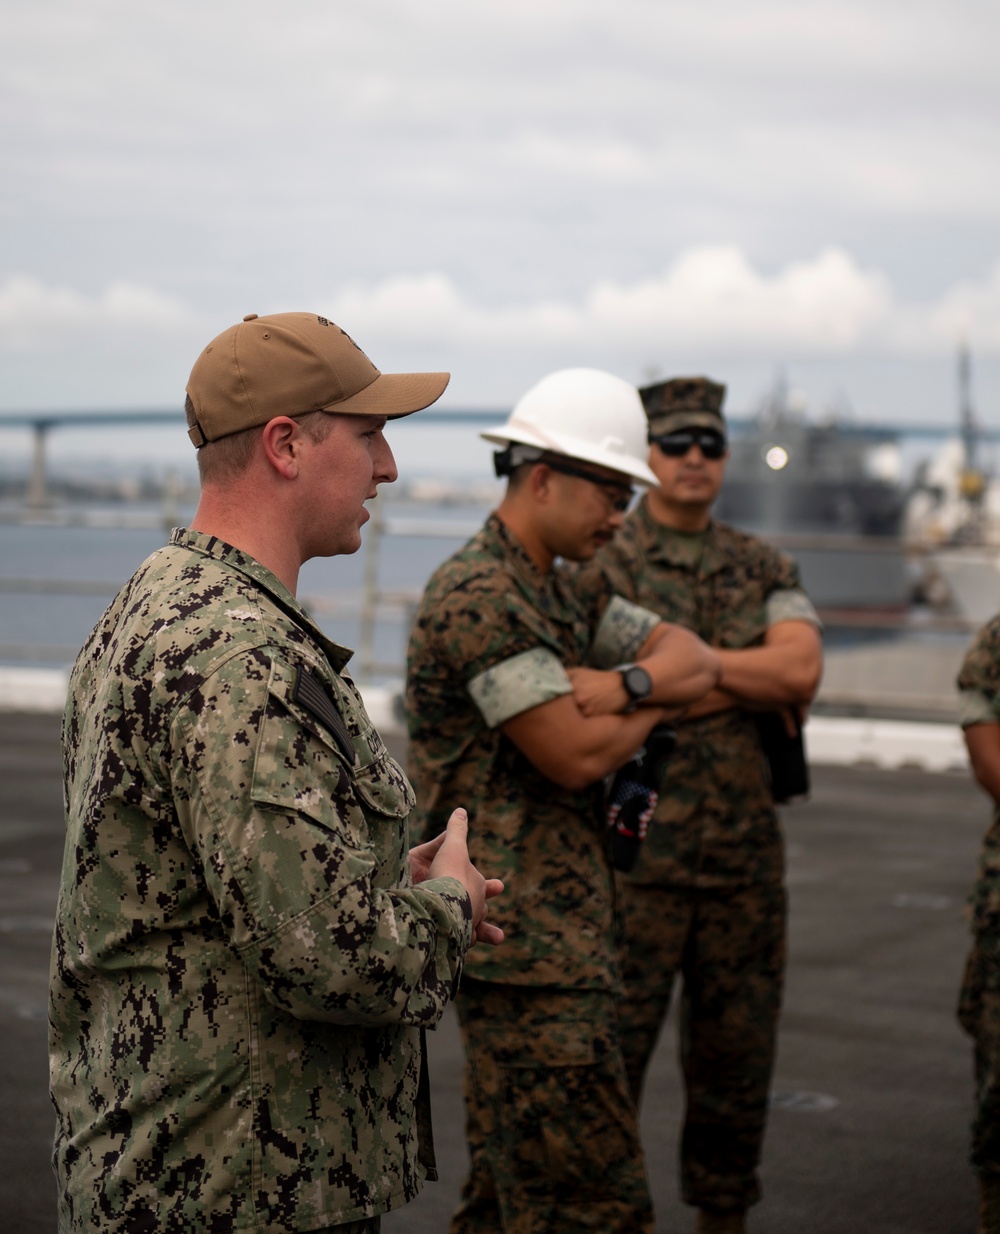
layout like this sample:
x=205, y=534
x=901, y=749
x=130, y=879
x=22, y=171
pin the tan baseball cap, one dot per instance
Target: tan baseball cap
x=288, y=364
x=684, y=402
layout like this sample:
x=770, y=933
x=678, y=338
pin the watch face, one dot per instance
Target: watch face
x=638, y=682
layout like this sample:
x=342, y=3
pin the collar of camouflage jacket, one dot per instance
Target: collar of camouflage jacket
x=700, y=553
x=547, y=592
x=236, y=559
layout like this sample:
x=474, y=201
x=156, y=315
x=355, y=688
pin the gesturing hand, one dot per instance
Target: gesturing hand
x=447, y=856
x=422, y=855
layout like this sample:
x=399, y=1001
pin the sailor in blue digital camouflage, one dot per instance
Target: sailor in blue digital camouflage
x=499, y=636
x=245, y=955
x=979, y=1001
x=706, y=897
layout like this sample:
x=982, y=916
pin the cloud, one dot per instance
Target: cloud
x=132, y=344
x=39, y=317
x=710, y=298
x=713, y=296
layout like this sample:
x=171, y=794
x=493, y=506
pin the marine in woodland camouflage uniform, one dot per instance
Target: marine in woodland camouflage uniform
x=706, y=899
x=242, y=967
x=979, y=1002
x=552, y=1130
x=493, y=638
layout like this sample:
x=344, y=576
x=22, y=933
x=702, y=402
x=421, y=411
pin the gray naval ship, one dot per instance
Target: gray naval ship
x=830, y=495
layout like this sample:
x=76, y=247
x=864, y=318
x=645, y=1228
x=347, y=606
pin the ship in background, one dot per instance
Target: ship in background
x=953, y=518
x=832, y=496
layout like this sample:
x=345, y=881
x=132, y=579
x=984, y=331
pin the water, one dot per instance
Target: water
x=48, y=629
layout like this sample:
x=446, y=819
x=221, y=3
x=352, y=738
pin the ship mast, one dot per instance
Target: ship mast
x=967, y=416
x=972, y=483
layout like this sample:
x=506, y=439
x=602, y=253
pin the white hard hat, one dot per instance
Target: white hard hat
x=585, y=414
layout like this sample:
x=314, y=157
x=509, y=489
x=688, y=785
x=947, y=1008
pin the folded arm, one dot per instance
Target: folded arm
x=783, y=672
x=682, y=669
x=574, y=749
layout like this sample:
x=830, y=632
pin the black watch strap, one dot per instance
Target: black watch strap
x=637, y=682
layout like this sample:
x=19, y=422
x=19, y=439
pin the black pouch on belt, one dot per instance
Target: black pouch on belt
x=785, y=756
x=634, y=792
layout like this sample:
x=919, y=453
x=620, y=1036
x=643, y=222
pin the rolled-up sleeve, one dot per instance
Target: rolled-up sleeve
x=623, y=629
x=975, y=708
x=517, y=684
x=790, y=604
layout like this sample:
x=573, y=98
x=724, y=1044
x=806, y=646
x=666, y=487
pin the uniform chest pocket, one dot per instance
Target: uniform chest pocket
x=300, y=768
x=325, y=759
x=382, y=786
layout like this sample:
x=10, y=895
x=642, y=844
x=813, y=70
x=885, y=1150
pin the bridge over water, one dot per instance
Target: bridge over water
x=42, y=423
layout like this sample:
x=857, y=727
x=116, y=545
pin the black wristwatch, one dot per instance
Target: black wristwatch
x=638, y=685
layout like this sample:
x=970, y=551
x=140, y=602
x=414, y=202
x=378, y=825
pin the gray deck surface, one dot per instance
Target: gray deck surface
x=873, y=1086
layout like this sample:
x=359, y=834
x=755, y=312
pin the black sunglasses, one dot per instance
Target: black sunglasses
x=618, y=494
x=676, y=445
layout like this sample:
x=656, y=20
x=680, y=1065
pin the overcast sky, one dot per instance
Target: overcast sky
x=505, y=187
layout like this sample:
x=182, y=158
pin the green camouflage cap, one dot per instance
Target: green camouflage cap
x=684, y=402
